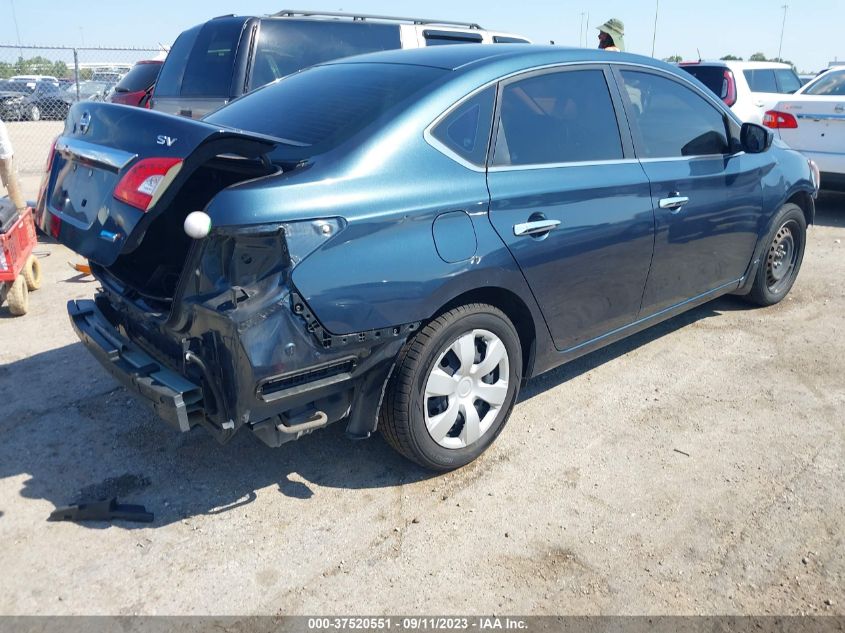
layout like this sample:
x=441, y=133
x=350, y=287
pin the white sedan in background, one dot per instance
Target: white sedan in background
x=813, y=122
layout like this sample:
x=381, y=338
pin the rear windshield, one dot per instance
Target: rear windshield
x=201, y=62
x=322, y=107
x=286, y=46
x=141, y=77
x=832, y=84
x=711, y=76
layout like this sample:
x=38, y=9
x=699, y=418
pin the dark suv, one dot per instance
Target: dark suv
x=226, y=57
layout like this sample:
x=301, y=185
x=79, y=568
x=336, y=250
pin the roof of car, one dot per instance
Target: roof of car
x=519, y=55
x=736, y=64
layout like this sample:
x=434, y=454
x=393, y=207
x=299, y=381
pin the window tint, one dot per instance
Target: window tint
x=788, y=81
x=672, y=119
x=711, y=76
x=141, y=77
x=831, y=83
x=322, y=107
x=505, y=39
x=761, y=80
x=557, y=117
x=286, y=46
x=439, y=38
x=466, y=131
x=201, y=62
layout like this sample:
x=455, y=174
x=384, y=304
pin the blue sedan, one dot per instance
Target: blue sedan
x=399, y=240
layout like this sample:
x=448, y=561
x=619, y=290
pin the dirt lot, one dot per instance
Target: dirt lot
x=696, y=468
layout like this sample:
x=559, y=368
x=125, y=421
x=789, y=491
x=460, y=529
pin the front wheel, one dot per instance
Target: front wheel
x=453, y=388
x=782, y=258
x=34, y=113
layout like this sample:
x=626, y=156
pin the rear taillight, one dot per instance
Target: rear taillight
x=779, y=120
x=729, y=89
x=146, y=180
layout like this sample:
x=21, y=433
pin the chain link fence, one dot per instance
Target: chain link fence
x=39, y=84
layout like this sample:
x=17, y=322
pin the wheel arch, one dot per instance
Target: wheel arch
x=514, y=308
x=805, y=201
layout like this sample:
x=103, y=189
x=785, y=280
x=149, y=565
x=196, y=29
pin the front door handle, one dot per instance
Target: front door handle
x=675, y=202
x=534, y=228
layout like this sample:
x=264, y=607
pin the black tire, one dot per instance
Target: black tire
x=782, y=257
x=402, y=416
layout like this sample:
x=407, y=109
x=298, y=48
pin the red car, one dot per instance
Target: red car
x=137, y=85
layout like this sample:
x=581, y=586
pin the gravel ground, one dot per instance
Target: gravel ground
x=696, y=468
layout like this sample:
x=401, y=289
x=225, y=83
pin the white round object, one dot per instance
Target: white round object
x=197, y=225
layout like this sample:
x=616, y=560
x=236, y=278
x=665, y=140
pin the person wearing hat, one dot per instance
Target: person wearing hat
x=612, y=35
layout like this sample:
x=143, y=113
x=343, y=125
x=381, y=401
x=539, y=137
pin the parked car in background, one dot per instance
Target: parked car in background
x=31, y=101
x=399, y=239
x=34, y=78
x=813, y=122
x=213, y=63
x=748, y=88
x=87, y=91
x=136, y=86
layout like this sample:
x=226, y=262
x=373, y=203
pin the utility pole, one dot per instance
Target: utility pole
x=782, y=29
x=654, y=37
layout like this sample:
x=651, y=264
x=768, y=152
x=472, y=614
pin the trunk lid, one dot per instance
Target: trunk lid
x=100, y=146
x=821, y=124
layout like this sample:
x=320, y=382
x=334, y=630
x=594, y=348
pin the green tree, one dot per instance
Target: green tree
x=673, y=58
x=731, y=58
x=758, y=57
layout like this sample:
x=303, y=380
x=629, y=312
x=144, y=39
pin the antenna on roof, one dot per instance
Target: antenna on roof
x=699, y=54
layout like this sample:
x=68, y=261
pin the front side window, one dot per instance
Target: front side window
x=762, y=80
x=466, y=131
x=286, y=46
x=673, y=120
x=557, y=117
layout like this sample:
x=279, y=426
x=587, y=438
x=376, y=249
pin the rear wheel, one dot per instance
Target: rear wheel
x=34, y=113
x=32, y=273
x=454, y=386
x=782, y=258
x=18, y=297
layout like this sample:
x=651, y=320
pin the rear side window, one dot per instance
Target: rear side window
x=440, y=38
x=788, y=81
x=506, y=39
x=832, y=84
x=557, y=117
x=286, y=46
x=201, y=62
x=324, y=106
x=761, y=80
x=673, y=120
x=466, y=131
x=141, y=77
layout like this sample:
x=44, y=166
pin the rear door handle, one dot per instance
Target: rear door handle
x=675, y=202
x=534, y=228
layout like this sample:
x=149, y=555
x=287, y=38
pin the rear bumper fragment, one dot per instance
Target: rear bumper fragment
x=174, y=398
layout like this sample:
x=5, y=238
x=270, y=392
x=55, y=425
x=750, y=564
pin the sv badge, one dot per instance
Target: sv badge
x=161, y=139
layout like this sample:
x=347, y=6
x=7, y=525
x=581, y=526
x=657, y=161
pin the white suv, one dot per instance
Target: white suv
x=748, y=88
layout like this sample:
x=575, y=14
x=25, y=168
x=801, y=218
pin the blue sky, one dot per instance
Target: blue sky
x=812, y=38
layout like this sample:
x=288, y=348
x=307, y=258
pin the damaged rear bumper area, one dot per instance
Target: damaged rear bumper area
x=221, y=380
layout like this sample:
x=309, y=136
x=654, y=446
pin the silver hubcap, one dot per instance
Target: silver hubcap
x=466, y=389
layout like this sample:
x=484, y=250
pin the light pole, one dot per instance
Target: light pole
x=782, y=29
x=654, y=37
x=581, y=31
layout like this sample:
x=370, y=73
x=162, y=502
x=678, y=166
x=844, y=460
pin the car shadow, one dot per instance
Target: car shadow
x=74, y=436
x=830, y=209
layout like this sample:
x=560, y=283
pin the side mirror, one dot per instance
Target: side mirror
x=755, y=139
